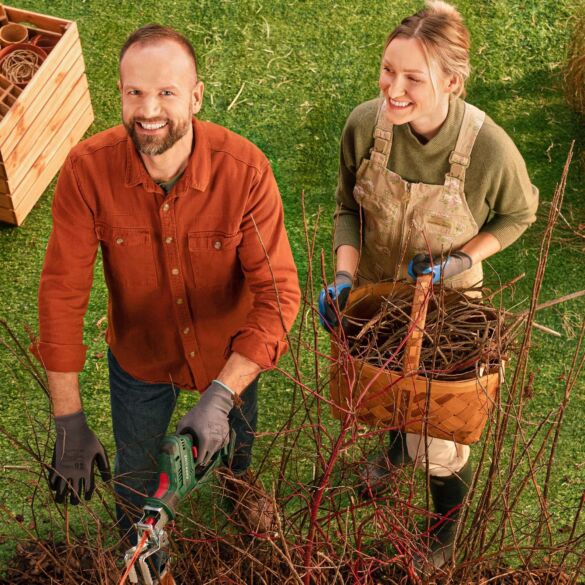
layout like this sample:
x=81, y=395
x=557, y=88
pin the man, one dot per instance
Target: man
x=201, y=279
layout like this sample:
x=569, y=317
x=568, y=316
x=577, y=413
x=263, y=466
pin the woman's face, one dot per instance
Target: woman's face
x=405, y=81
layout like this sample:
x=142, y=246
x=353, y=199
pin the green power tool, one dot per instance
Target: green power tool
x=178, y=476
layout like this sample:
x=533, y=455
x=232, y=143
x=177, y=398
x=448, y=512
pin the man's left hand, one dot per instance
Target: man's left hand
x=447, y=267
x=207, y=422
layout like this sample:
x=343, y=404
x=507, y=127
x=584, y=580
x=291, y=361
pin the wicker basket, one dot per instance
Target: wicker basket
x=453, y=410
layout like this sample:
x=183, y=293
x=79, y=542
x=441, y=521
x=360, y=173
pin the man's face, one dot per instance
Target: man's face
x=160, y=95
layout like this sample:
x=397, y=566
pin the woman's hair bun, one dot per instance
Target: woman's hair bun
x=439, y=7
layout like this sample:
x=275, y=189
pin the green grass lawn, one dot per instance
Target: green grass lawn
x=302, y=66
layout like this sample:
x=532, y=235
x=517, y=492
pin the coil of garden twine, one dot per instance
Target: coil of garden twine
x=20, y=66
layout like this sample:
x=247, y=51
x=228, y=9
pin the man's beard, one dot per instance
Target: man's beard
x=155, y=145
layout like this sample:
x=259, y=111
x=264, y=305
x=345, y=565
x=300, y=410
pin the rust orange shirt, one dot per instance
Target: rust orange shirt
x=192, y=275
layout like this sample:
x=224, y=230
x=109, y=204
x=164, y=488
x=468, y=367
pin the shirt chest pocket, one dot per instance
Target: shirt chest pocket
x=128, y=256
x=214, y=259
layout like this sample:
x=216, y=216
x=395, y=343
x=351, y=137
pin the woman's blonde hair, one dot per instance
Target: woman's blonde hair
x=445, y=39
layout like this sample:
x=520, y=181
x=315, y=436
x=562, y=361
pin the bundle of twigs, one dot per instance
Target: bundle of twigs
x=20, y=66
x=463, y=335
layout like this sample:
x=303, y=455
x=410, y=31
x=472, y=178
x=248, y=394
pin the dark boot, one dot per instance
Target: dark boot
x=448, y=494
x=378, y=471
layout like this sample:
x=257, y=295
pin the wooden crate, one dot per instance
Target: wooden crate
x=40, y=123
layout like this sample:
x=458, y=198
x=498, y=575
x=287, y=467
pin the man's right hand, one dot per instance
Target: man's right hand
x=76, y=450
x=207, y=422
x=333, y=299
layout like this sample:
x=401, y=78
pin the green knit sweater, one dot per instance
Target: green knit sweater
x=497, y=187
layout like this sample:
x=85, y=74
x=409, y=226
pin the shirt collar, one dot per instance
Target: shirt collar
x=450, y=128
x=196, y=174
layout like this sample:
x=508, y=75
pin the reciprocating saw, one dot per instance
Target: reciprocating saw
x=178, y=476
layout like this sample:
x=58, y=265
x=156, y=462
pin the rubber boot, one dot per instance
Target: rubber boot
x=378, y=472
x=448, y=495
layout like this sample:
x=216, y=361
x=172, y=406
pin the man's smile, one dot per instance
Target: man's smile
x=150, y=127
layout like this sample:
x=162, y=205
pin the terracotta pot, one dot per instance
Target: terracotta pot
x=44, y=42
x=12, y=34
x=21, y=47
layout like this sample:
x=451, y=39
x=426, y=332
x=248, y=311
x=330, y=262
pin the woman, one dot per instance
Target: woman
x=427, y=183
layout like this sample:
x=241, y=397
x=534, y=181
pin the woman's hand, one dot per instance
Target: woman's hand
x=477, y=249
x=333, y=299
x=447, y=267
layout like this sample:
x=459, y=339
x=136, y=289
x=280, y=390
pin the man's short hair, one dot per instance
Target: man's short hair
x=152, y=33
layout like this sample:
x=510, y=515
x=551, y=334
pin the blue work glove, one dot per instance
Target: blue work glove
x=333, y=299
x=448, y=267
x=76, y=451
x=207, y=422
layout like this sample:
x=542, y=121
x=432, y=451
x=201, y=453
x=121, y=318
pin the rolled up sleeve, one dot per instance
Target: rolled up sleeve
x=270, y=273
x=66, y=278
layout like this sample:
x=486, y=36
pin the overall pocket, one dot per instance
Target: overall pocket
x=128, y=256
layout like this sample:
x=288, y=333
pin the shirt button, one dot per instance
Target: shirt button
x=168, y=240
x=120, y=241
x=165, y=207
x=192, y=354
x=175, y=271
x=186, y=330
x=179, y=301
x=217, y=245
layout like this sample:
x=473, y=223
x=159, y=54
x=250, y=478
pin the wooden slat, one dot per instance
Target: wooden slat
x=73, y=135
x=5, y=196
x=36, y=114
x=7, y=216
x=35, y=88
x=35, y=30
x=50, y=162
x=58, y=25
x=53, y=145
x=39, y=133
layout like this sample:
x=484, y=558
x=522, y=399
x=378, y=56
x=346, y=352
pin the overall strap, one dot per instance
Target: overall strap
x=459, y=158
x=380, y=152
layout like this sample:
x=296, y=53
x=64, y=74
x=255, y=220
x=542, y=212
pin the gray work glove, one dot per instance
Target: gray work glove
x=207, y=422
x=75, y=452
x=448, y=267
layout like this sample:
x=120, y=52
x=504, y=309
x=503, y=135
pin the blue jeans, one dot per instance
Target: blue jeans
x=141, y=413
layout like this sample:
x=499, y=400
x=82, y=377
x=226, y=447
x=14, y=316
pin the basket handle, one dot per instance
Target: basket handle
x=418, y=316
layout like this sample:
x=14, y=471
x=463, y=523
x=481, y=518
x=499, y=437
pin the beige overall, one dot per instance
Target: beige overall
x=402, y=219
